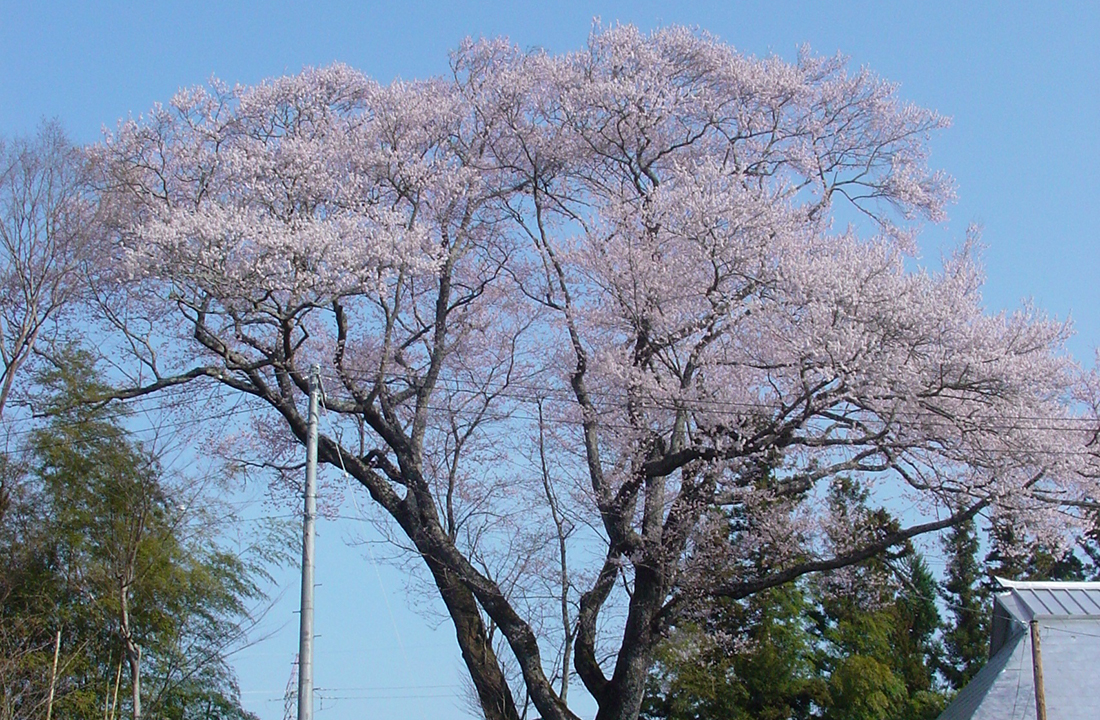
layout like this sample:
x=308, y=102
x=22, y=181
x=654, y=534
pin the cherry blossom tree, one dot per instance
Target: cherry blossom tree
x=647, y=301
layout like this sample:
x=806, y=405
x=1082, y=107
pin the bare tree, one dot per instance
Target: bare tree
x=44, y=222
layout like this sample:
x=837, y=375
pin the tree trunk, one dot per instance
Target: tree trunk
x=625, y=691
x=132, y=650
x=481, y=661
x=133, y=659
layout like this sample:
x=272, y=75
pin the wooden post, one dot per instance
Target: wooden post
x=1037, y=669
x=53, y=675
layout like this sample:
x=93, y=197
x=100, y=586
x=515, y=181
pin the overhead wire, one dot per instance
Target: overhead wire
x=374, y=563
x=528, y=392
x=240, y=410
x=525, y=393
x=503, y=416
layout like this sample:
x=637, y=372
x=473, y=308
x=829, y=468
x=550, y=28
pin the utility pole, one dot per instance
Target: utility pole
x=1037, y=670
x=305, y=638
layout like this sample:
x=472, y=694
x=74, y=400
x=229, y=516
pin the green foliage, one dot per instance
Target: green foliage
x=856, y=644
x=863, y=643
x=769, y=676
x=966, y=635
x=876, y=642
x=862, y=687
x=854, y=648
x=97, y=543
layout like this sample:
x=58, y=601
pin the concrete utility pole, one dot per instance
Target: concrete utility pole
x=305, y=638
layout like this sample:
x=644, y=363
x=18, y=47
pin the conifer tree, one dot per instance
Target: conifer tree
x=966, y=636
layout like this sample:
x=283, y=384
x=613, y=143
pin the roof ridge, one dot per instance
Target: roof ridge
x=1048, y=584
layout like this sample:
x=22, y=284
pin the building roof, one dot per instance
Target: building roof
x=1068, y=620
x=1023, y=602
x=1056, y=599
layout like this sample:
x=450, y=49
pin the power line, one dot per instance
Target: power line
x=504, y=417
x=525, y=392
x=124, y=430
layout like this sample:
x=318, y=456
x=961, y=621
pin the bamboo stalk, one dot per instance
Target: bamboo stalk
x=53, y=675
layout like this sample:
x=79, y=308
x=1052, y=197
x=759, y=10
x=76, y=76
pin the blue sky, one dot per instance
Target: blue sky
x=1020, y=80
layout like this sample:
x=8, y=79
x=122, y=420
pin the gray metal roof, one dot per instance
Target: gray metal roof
x=1068, y=618
x=1023, y=602
x=967, y=705
x=1005, y=688
x=1055, y=599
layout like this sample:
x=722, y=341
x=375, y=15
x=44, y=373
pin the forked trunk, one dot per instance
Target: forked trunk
x=623, y=695
x=481, y=661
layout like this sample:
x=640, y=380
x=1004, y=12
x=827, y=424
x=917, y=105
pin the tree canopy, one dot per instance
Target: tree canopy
x=683, y=270
x=46, y=244
x=96, y=544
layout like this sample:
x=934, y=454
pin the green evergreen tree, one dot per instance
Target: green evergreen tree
x=966, y=634
x=749, y=660
x=858, y=644
x=918, y=622
x=876, y=650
